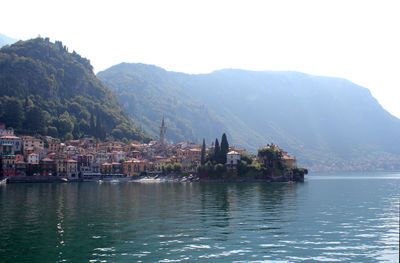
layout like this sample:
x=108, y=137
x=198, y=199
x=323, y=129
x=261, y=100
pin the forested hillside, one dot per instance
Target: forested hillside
x=148, y=94
x=46, y=90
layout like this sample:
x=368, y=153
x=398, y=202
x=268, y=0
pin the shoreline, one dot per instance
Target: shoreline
x=146, y=179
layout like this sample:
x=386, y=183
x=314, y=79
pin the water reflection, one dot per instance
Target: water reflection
x=321, y=220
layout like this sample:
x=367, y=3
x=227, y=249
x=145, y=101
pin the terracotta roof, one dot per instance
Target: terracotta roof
x=287, y=157
x=9, y=137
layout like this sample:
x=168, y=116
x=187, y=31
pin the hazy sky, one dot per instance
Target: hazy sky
x=356, y=40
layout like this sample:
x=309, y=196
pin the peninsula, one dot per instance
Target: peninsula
x=46, y=159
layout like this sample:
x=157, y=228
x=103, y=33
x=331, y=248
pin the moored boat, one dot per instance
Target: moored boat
x=4, y=181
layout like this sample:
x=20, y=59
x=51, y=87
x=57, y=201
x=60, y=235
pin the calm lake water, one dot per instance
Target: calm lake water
x=341, y=218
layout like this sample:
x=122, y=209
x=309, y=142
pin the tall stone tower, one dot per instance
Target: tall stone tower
x=163, y=133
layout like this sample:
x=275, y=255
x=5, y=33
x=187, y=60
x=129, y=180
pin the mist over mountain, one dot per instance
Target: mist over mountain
x=47, y=90
x=328, y=123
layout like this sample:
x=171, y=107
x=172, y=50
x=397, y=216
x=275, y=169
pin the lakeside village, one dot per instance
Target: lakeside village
x=45, y=159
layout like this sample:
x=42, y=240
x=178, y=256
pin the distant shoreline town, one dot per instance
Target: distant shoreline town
x=46, y=159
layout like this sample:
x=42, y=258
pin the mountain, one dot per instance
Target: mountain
x=148, y=93
x=5, y=40
x=46, y=90
x=328, y=123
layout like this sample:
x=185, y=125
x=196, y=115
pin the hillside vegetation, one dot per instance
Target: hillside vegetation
x=46, y=90
x=148, y=94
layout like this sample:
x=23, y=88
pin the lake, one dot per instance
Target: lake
x=328, y=218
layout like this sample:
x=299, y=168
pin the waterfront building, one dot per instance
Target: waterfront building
x=232, y=159
x=106, y=168
x=72, y=168
x=111, y=169
x=95, y=168
x=60, y=161
x=85, y=163
x=135, y=167
x=8, y=165
x=47, y=167
x=33, y=169
x=21, y=168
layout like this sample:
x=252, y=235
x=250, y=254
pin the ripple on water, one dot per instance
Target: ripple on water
x=314, y=221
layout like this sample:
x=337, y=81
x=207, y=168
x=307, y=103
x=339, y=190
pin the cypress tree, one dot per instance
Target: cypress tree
x=224, y=149
x=216, y=150
x=203, y=152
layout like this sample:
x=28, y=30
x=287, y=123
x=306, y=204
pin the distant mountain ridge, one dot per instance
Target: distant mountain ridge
x=328, y=123
x=47, y=90
x=5, y=40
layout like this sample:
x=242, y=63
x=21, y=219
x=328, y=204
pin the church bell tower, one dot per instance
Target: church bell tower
x=163, y=133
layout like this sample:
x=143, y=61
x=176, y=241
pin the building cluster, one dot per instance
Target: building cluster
x=86, y=157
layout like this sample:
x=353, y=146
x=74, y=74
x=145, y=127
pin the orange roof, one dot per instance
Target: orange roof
x=9, y=137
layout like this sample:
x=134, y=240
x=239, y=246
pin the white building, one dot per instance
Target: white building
x=33, y=158
x=232, y=159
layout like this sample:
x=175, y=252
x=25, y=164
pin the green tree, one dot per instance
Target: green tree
x=52, y=131
x=177, y=167
x=65, y=124
x=169, y=168
x=217, y=150
x=203, y=152
x=224, y=149
x=270, y=158
x=12, y=113
x=219, y=169
x=35, y=120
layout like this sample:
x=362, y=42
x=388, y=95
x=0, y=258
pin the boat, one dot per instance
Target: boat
x=114, y=181
x=4, y=181
x=64, y=179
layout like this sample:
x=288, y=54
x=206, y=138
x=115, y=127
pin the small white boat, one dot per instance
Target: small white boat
x=3, y=181
x=114, y=181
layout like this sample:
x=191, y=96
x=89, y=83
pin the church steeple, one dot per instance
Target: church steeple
x=163, y=133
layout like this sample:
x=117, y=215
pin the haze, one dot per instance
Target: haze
x=356, y=40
